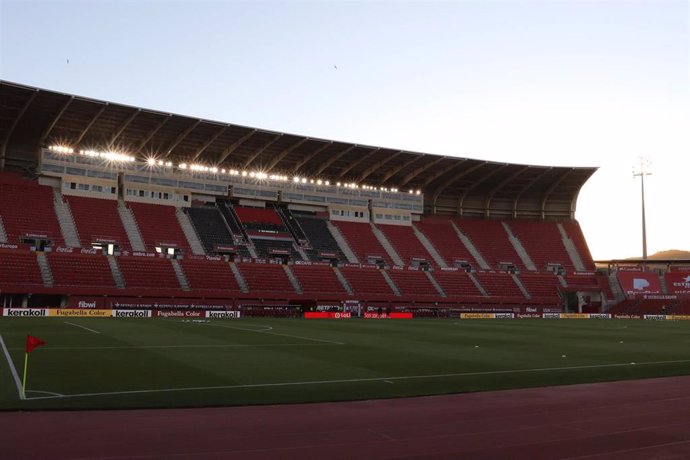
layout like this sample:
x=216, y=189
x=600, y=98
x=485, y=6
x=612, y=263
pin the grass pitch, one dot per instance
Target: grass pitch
x=127, y=363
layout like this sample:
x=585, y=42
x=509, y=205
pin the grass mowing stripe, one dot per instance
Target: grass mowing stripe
x=279, y=334
x=372, y=379
x=83, y=327
x=15, y=376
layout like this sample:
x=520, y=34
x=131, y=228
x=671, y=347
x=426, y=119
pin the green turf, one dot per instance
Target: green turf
x=260, y=361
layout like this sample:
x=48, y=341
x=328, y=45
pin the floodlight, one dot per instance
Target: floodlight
x=151, y=161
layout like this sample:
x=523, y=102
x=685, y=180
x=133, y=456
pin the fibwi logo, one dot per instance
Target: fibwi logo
x=639, y=284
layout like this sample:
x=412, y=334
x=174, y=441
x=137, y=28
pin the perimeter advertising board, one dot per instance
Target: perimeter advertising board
x=26, y=312
x=80, y=312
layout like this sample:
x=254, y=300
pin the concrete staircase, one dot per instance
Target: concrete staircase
x=522, y=287
x=252, y=250
x=390, y=250
x=181, y=278
x=46, y=272
x=343, y=281
x=342, y=244
x=241, y=282
x=293, y=279
x=117, y=274
x=190, y=233
x=571, y=249
x=616, y=287
x=471, y=248
x=390, y=282
x=64, y=216
x=131, y=227
x=520, y=249
x=429, y=247
x=438, y=287
x=3, y=234
x=301, y=252
x=562, y=280
x=477, y=284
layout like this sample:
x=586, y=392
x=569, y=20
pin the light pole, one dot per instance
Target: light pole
x=641, y=172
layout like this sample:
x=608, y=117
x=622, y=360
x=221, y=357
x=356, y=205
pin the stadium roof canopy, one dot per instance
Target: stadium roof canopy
x=31, y=118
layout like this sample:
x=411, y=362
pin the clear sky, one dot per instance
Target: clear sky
x=566, y=83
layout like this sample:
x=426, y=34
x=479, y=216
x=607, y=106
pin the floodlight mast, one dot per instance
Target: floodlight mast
x=641, y=172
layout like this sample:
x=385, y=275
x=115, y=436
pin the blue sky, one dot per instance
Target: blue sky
x=576, y=83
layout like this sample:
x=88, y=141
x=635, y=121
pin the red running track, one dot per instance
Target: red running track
x=630, y=420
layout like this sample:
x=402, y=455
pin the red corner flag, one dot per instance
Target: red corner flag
x=33, y=343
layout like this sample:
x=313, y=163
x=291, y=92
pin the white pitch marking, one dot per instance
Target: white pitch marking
x=15, y=376
x=372, y=379
x=127, y=347
x=45, y=392
x=282, y=335
x=83, y=327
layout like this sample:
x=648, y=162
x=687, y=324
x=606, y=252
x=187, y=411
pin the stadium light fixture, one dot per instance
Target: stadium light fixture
x=114, y=157
x=61, y=149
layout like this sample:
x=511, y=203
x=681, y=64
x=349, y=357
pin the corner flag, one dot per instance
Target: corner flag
x=31, y=344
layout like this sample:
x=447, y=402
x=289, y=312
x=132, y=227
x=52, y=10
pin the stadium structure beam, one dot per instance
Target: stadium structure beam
x=453, y=178
x=503, y=183
x=208, y=143
x=370, y=170
x=307, y=159
x=56, y=118
x=278, y=158
x=153, y=132
x=124, y=125
x=231, y=148
x=333, y=159
x=3, y=154
x=419, y=170
x=485, y=177
x=91, y=123
x=181, y=137
x=527, y=187
x=395, y=171
x=441, y=172
x=262, y=149
x=552, y=187
x=354, y=164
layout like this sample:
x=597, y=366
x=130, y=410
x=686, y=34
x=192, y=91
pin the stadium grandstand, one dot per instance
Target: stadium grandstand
x=103, y=204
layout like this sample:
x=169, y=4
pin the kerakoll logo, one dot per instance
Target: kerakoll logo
x=131, y=313
x=24, y=312
x=222, y=314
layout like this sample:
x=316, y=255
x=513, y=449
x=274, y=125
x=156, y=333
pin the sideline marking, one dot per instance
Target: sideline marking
x=372, y=379
x=276, y=333
x=12, y=369
x=126, y=347
x=83, y=327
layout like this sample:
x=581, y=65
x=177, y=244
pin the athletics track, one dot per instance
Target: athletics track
x=638, y=419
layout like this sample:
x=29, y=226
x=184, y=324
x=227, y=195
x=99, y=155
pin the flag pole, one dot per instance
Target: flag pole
x=26, y=364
